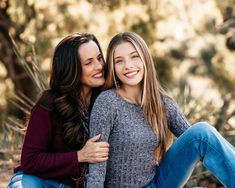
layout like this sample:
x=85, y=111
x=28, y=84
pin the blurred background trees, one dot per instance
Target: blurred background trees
x=192, y=42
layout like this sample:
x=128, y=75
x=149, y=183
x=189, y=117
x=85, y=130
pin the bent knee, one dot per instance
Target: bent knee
x=203, y=126
x=201, y=129
x=16, y=181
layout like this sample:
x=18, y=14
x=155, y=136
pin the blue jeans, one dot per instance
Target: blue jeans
x=201, y=142
x=22, y=180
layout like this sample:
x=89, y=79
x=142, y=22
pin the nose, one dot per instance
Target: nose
x=99, y=65
x=128, y=63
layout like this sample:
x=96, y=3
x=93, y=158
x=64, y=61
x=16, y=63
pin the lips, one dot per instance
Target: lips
x=98, y=75
x=131, y=74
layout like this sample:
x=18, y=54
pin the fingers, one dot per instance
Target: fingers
x=99, y=154
x=99, y=159
x=102, y=144
x=95, y=138
x=98, y=144
x=96, y=152
x=104, y=150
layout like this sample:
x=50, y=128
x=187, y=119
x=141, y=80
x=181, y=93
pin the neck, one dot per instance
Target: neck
x=86, y=95
x=132, y=94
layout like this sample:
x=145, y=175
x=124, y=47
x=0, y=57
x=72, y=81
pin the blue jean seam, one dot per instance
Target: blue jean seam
x=202, y=140
x=227, y=164
x=164, y=179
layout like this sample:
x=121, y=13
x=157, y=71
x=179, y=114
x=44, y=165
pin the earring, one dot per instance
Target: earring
x=116, y=82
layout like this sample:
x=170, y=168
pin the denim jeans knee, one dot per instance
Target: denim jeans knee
x=32, y=181
x=22, y=180
x=16, y=180
x=200, y=142
x=201, y=130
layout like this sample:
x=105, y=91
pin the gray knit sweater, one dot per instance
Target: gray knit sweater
x=131, y=162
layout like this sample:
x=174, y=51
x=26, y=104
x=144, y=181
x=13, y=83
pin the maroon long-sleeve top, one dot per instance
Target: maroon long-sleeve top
x=44, y=153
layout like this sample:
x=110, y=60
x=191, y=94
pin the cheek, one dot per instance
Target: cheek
x=86, y=72
x=117, y=69
x=143, y=70
x=141, y=65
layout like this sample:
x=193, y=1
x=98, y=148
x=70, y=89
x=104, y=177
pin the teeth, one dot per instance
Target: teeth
x=131, y=73
x=98, y=75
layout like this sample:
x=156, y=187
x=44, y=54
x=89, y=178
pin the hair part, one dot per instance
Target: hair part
x=152, y=93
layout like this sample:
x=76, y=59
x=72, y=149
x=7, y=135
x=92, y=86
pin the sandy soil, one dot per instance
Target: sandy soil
x=6, y=171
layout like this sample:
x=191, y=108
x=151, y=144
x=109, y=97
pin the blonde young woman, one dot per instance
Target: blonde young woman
x=136, y=117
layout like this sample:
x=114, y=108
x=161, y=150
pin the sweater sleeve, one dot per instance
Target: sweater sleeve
x=36, y=157
x=177, y=122
x=101, y=122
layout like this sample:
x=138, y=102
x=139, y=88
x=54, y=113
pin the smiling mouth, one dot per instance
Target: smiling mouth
x=131, y=74
x=98, y=75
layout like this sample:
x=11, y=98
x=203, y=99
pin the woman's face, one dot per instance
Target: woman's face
x=92, y=65
x=128, y=65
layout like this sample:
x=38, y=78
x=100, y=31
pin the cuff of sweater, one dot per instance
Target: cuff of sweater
x=77, y=168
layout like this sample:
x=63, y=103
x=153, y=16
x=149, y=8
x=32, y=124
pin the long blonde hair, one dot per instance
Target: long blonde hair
x=152, y=92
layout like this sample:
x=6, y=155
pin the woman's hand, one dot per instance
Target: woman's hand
x=93, y=151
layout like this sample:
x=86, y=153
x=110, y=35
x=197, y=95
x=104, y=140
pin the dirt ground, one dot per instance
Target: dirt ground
x=8, y=160
x=6, y=171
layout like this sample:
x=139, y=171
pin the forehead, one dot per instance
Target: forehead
x=124, y=48
x=88, y=50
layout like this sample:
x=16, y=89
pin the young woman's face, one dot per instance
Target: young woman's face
x=92, y=65
x=128, y=65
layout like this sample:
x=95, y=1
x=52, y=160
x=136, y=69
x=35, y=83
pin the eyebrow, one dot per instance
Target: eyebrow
x=129, y=54
x=89, y=59
x=133, y=52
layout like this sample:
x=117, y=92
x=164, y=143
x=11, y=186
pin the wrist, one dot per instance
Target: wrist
x=80, y=156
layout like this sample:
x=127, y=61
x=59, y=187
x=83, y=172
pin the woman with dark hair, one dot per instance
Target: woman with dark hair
x=56, y=148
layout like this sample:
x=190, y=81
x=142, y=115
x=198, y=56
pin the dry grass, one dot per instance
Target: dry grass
x=8, y=160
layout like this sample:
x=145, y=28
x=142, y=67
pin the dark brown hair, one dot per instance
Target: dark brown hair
x=65, y=84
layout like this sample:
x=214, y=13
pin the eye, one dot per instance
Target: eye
x=88, y=63
x=117, y=61
x=135, y=56
x=100, y=58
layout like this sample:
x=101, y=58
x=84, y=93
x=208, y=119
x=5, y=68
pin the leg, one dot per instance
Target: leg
x=15, y=181
x=22, y=180
x=30, y=181
x=199, y=142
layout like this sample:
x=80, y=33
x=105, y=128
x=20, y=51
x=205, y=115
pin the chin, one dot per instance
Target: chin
x=98, y=84
x=134, y=83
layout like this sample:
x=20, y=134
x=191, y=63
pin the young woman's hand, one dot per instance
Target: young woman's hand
x=93, y=151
